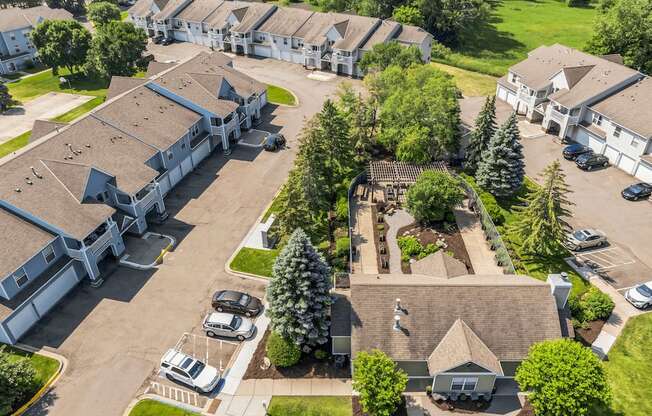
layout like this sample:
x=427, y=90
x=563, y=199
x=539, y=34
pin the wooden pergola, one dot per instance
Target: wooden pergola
x=399, y=173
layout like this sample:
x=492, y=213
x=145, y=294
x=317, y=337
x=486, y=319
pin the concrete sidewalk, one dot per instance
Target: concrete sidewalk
x=362, y=238
x=482, y=258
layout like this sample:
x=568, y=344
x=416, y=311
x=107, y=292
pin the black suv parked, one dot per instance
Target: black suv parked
x=572, y=151
x=589, y=161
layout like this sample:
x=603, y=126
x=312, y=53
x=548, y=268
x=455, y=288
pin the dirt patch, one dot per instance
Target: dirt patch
x=377, y=240
x=431, y=234
x=357, y=408
x=308, y=366
x=589, y=334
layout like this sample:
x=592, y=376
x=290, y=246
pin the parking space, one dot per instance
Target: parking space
x=627, y=260
x=212, y=351
x=253, y=138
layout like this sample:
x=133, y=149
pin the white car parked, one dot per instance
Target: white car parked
x=640, y=296
x=220, y=324
x=180, y=367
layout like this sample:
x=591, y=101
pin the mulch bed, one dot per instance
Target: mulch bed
x=357, y=408
x=464, y=407
x=430, y=235
x=308, y=366
x=374, y=216
x=588, y=335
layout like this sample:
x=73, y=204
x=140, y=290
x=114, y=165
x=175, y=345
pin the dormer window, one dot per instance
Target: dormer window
x=617, y=131
x=597, y=119
x=20, y=277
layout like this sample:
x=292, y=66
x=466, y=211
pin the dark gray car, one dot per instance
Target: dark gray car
x=236, y=302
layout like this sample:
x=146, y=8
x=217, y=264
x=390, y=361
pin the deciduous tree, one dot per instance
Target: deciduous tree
x=116, y=49
x=17, y=381
x=61, y=43
x=379, y=382
x=501, y=170
x=563, y=378
x=485, y=127
x=102, y=12
x=298, y=293
x=408, y=15
x=6, y=100
x=447, y=20
x=383, y=55
x=433, y=195
x=542, y=227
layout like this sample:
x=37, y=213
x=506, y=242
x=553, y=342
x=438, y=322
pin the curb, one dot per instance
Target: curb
x=63, y=364
x=297, y=103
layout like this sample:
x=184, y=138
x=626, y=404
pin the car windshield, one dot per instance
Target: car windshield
x=579, y=235
x=236, y=322
x=244, y=300
x=196, y=369
x=645, y=291
x=636, y=188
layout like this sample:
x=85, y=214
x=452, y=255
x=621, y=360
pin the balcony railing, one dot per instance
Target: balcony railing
x=557, y=116
x=146, y=200
x=100, y=244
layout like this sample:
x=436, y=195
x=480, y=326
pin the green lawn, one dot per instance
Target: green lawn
x=255, y=261
x=275, y=207
x=79, y=110
x=310, y=406
x=14, y=144
x=150, y=407
x=471, y=83
x=518, y=26
x=278, y=95
x=629, y=369
x=45, y=367
x=29, y=88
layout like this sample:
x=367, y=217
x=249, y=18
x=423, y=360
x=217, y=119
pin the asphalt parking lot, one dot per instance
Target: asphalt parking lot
x=627, y=260
x=114, y=336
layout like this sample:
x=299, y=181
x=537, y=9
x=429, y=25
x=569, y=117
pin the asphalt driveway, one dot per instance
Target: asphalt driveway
x=114, y=336
x=598, y=204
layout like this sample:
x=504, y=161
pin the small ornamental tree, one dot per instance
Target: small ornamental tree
x=502, y=170
x=116, y=49
x=433, y=195
x=485, y=127
x=298, y=293
x=17, y=381
x=563, y=378
x=542, y=227
x=6, y=100
x=101, y=12
x=379, y=382
x=61, y=43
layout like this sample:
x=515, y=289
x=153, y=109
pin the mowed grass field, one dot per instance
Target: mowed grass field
x=518, y=26
x=472, y=84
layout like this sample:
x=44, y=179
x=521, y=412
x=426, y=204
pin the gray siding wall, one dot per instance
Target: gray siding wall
x=33, y=268
x=20, y=42
x=97, y=183
x=443, y=382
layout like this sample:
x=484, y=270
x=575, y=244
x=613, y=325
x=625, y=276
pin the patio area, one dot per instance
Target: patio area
x=146, y=252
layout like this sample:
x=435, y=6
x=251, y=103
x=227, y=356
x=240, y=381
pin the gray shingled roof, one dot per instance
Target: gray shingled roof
x=439, y=264
x=631, y=107
x=252, y=14
x=285, y=21
x=470, y=108
x=341, y=314
x=155, y=68
x=15, y=18
x=42, y=128
x=382, y=34
x=412, y=35
x=198, y=10
x=119, y=85
x=508, y=313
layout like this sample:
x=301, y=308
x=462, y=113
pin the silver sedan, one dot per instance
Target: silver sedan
x=586, y=238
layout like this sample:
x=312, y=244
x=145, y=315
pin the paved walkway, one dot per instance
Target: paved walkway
x=18, y=120
x=421, y=405
x=396, y=221
x=482, y=258
x=362, y=235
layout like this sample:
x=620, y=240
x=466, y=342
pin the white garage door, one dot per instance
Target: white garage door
x=186, y=166
x=276, y=54
x=181, y=35
x=511, y=98
x=626, y=163
x=596, y=144
x=262, y=51
x=285, y=55
x=644, y=173
x=263, y=99
x=502, y=93
x=201, y=152
x=175, y=176
x=57, y=289
x=20, y=322
x=582, y=137
x=164, y=183
x=612, y=154
x=297, y=58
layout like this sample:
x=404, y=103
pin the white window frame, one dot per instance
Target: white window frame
x=49, y=249
x=634, y=143
x=18, y=276
x=617, y=131
x=465, y=382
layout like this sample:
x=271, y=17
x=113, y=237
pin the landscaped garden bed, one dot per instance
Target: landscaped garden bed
x=461, y=406
x=589, y=331
x=380, y=240
x=307, y=367
x=432, y=238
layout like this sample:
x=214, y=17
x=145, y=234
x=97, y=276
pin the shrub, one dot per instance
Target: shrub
x=494, y=210
x=282, y=352
x=577, y=3
x=450, y=217
x=342, y=209
x=439, y=51
x=321, y=354
x=409, y=246
x=324, y=246
x=342, y=246
x=379, y=382
x=596, y=304
x=17, y=381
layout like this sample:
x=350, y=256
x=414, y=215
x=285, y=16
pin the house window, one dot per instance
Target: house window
x=285, y=41
x=617, y=131
x=12, y=36
x=464, y=383
x=170, y=155
x=513, y=78
x=20, y=277
x=634, y=143
x=183, y=145
x=48, y=254
x=597, y=119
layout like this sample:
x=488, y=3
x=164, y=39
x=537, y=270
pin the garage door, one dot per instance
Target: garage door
x=285, y=55
x=175, y=176
x=263, y=99
x=186, y=166
x=21, y=321
x=511, y=98
x=502, y=93
x=644, y=173
x=581, y=137
x=201, y=152
x=181, y=35
x=164, y=183
x=297, y=58
x=612, y=154
x=626, y=163
x=262, y=51
x=596, y=144
x=57, y=289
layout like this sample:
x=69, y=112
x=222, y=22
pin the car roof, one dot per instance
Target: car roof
x=176, y=358
x=230, y=295
x=220, y=318
x=591, y=231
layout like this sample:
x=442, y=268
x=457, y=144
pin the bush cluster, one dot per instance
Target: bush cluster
x=411, y=247
x=592, y=305
x=282, y=352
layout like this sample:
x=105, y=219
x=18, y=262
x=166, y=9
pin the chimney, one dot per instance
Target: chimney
x=560, y=288
x=397, y=322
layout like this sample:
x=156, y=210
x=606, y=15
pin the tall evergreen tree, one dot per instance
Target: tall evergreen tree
x=501, y=170
x=542, y=227
x=314, y=167
x=295, y=212
x=6, y=100
x=485, y=127
x=298, y=293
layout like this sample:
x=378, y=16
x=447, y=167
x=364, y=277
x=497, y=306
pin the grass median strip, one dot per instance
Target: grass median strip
x=310, y=406
x=14, y=144
x=254, y=261
x=79, y=110
x=278, y=95
x=150, y=407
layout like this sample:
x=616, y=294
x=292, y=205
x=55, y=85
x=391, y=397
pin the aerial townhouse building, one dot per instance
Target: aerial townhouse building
x=326, y=41
x=67, y=198
x=16, y=48
x=592, y=100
